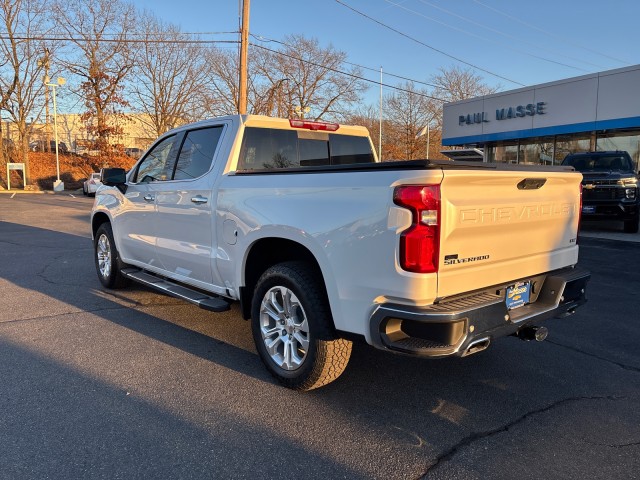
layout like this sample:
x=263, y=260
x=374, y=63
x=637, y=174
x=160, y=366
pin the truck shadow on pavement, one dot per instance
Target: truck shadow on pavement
x=58, y=422
x=69, y=276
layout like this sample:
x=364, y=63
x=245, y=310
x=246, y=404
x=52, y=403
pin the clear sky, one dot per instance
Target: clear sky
x=516, y=42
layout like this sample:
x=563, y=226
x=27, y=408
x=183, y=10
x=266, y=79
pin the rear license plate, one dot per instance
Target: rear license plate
x=518, y=295
x=589, y=209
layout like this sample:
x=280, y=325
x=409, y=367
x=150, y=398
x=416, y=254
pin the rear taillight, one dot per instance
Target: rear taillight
x=420, y=243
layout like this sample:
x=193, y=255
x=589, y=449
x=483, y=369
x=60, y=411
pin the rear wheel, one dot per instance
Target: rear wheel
x=291, y=324
x=107, y=259
x=631, y=226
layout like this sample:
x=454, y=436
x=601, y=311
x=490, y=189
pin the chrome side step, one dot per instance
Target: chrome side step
x=203, y=300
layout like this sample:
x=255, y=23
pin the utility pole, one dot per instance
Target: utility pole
x=244, y=47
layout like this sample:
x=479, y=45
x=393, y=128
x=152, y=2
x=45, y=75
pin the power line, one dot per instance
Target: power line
x=128, y=40
x=230, y=32
x=427, y=45
x=496, y=31
x=364, y=79
x=377, y=70
x=112, y=40
x=535, y=27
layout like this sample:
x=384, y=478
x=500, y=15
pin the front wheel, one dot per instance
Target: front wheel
x=291, y=325
x=107, y=259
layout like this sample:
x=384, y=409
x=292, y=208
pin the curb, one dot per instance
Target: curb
x=41, y=192
x=21, y=192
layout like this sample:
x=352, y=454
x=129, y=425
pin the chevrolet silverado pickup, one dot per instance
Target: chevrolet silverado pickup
x=320, y=244
x=609, y=187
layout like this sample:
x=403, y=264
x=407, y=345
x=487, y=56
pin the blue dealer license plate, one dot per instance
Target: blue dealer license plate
x=589, y=209
x=518, y=295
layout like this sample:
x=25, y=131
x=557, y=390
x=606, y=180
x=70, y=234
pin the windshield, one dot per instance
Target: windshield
x=586, y=163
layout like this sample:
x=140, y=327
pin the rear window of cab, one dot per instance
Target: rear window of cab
x=270, y=148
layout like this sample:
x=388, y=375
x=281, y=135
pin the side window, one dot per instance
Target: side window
x=348, y=150
x=196, y=155
x=158, y=163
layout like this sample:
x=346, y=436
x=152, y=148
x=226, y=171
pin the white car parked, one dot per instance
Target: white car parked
x=91, y=184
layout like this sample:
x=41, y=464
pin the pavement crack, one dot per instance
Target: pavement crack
x=41, y=273
x=593, y=355
x=615, y=445
x=474, y=437
x=625, y=445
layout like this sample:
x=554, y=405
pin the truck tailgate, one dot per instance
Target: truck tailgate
x=500, y=226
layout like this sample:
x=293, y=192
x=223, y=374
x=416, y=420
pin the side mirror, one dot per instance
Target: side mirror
x=113, y=177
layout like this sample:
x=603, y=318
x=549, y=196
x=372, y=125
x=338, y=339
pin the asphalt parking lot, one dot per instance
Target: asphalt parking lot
x=133, y=384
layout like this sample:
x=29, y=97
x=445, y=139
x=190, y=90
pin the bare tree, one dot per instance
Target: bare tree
x=220, y=93
x=305, y=78
x=369, y=116
x=170, y=76
x=409, y=111
x=10, y=19
x=102, y=59
x=22, y=79
x=301, y=78
x=454, y=84
x=8, y=77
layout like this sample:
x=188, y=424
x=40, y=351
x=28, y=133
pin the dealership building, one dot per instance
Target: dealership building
x=543, y=123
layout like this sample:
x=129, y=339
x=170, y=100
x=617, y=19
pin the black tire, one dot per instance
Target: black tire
x=631, y=226
x=299, y=322
x=107, y=259
x=84, y=190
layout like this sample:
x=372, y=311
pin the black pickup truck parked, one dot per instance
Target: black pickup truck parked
x=609, y=186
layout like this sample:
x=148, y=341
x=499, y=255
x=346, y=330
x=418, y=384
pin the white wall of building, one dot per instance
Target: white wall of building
x=601, y=101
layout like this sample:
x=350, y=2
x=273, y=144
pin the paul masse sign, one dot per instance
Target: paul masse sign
x=529, y=109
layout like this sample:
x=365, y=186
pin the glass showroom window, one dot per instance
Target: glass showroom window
x=536, y=151
x=570, y=144
x=504, y=152
x=626, y=141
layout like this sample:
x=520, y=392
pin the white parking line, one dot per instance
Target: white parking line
x=72, y=196
x=13, y=195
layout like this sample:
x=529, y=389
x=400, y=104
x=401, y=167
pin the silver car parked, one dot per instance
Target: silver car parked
x=91, y=184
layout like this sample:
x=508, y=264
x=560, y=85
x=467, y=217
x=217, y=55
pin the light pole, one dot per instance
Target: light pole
x=425, y=131
x=428, y=141
x=58, y=186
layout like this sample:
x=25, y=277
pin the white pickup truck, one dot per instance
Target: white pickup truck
x=321, y=244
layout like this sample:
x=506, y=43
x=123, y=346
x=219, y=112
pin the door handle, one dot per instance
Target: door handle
x=149, y=198
x=199, y=199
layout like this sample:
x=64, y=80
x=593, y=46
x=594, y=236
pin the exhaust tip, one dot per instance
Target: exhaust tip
x=477, y=346
x=533, y=332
